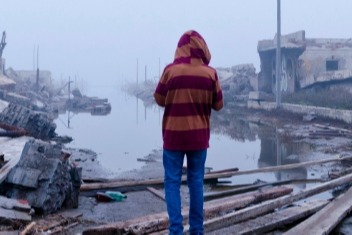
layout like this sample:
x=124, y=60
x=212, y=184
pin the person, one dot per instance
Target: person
x=188, y=90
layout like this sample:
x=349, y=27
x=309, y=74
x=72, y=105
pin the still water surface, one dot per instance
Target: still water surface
x=132, y=131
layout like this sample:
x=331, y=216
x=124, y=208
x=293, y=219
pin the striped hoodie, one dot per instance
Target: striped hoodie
x=188, y=89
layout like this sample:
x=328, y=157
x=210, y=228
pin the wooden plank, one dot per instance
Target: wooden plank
x=224, y=170
x=156, y=193
x=145, y=183
x=142, y=184
x=325, y=220
x=269, y=222
x=265, y=207
x=28, y=228
x=159, y=221
x=224, y=193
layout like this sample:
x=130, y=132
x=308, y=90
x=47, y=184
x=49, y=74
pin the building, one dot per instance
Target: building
x=305, y=62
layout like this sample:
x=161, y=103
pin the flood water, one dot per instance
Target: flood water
x=132, y=131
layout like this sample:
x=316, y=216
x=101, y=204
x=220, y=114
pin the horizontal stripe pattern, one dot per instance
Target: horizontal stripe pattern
x=186, y=140
x=191, y=82
x=181, y=110
x=189, y=96
x=185, y=123
x=188, y=89
x=184, y=69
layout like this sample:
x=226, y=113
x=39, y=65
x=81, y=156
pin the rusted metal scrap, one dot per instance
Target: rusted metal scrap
x=12, y=131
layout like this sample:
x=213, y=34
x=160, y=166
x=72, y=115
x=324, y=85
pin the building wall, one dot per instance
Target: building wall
x=292, y=46
x=304, y=62
x=313, y=63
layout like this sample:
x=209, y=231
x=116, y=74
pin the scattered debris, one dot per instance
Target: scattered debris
x=309, y=117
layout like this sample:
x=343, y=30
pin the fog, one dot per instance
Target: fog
x=99, y=41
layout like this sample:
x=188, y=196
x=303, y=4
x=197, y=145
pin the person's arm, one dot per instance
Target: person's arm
x=218, y=101
x=161, y=91
x=159, y=99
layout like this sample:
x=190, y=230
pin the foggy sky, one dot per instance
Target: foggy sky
x=100, y=41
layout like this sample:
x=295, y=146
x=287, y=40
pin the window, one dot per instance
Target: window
x=332, y=65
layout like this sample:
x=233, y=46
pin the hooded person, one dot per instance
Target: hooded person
x=188, y=90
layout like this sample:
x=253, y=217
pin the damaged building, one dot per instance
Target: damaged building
x=305, y=62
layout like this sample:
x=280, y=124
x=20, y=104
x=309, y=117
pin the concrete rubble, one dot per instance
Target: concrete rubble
x=36, y=170
x=45, y=178
x=37, y=124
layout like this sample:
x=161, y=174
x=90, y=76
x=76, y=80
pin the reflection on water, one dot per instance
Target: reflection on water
x=132, y=131
x=274, y=149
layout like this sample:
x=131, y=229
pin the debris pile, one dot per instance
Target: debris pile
x=45, y=178
x=83, y=103
x=237, y=81
x=36, y=124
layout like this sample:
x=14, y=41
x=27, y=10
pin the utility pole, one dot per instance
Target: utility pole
x=69, y=89
x=2, y=46
x=145, y=73
x=278, y=56
x=2, y=43
x=37, y=75
x=137, y=71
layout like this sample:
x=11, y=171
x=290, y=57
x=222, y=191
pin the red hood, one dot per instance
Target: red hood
x=192, y=48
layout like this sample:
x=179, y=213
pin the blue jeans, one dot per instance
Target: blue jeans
x=173, y=162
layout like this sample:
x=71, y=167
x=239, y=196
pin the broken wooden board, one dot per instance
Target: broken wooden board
x=156, y=222
x=156, y=193
x=13, y=214
x=120, y=185
x=271, y=221
x=267, y=206
x=252, y=187
x=125, y=185
x=12, y=150
x=324, y=221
